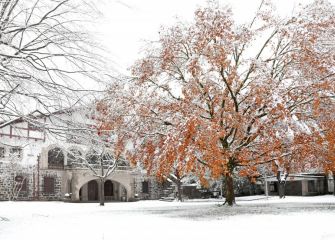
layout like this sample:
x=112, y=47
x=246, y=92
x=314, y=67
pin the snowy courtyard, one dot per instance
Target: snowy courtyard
x=252, y=218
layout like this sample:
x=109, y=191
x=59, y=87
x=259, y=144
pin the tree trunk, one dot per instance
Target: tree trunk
x=230, y=196
x=281, y=189
x=102, y=192
x=179, y=191
x=333, y=183
x=281, y=177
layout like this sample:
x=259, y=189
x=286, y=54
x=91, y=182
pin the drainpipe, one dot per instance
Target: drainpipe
x=34, y=185
x=38, y=177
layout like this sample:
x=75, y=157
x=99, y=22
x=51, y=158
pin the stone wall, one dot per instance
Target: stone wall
x=70, y=180
x=8, y=190
x=155, y=189
x=11, y=190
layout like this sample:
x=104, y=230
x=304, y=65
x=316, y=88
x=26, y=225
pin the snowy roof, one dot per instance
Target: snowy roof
x=36, y=114
x=297, y=177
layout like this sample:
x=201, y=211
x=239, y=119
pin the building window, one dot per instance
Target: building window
x=92, y=157
x=108, y=159
x=2, y=152
x=74, y=157
x=145, y=187
x=272, y=187
x=15, y=152
x=56, y=158
x=21, y=183
x=49, y=185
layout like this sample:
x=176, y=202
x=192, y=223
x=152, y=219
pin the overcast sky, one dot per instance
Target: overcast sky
x=127, y=23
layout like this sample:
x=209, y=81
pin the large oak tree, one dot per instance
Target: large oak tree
x=216, y=99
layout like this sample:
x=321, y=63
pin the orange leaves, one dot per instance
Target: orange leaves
x=214, y=21
x=327, y=139
x=203, y=181
x=167, y=57
x=194, y=68
x=250, y=173
x=191, y=164
x=244, y=97
x=102, y=107
x=149, y=151
x=144, y=71
x=316, y=106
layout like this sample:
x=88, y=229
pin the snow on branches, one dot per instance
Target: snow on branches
x=216, y=98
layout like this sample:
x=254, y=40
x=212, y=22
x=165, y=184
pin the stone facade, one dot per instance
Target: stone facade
x=54, y=177
x=127, y=184
x=73, y=182
x=148, y=187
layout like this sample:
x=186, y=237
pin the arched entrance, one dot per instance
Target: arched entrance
x=109, y=190
x=113, y=191
x=92, y=191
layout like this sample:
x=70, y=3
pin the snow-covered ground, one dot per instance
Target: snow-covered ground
x=253, y=218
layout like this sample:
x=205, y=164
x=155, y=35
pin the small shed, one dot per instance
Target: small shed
x=191, y=191
x=302, y=184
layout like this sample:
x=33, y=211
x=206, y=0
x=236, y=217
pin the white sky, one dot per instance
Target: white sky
x=127, y=23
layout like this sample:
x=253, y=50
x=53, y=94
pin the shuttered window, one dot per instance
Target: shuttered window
x=21, y=183
x=49, y=184
x=15, y=151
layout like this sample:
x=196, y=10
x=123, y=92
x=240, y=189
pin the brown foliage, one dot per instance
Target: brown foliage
x=222, y=97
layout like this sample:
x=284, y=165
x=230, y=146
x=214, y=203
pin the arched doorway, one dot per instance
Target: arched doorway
x=92, y=191
x=113, y=191
x=109, y=190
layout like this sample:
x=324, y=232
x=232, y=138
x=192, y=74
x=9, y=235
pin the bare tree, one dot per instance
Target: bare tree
x=48, y=61
x=46, y=55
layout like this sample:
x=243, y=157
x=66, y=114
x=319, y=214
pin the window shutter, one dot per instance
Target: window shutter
x=22, y=183
x=145, y=187
x=49, y=184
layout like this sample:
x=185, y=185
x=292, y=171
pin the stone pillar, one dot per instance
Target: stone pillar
x=99, y=188
x=119, y=192
x=75, y=189
x=115, y=190
x=130, y=194
x=84, y=192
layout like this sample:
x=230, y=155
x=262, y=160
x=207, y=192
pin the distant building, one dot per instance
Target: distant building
x=38, y=166
x=303, y=184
